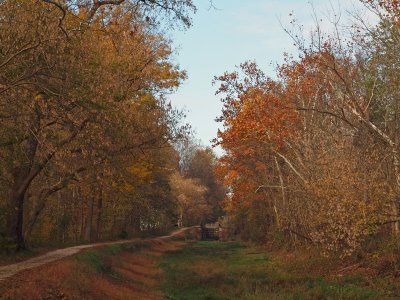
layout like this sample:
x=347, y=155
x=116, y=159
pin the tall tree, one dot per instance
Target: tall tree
x=70, y=100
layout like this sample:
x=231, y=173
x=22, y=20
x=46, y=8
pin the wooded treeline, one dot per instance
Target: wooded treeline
x=312, y=156
x=88, y=142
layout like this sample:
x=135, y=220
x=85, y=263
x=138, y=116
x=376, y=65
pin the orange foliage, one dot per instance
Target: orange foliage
x=258, y=117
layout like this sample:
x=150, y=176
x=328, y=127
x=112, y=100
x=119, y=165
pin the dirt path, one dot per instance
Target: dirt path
x=10, y=270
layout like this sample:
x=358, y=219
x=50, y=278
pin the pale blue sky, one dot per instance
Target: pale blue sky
x=221, y=39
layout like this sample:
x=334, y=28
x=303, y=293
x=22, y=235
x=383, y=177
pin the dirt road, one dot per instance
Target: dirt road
x=10, y=270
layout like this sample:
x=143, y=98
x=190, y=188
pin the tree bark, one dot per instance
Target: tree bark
x=282, y=192
x=16, y=202
x=99, y=210
x=113, y=227
x=89, y=219
x=82, y=215
x=15, y=221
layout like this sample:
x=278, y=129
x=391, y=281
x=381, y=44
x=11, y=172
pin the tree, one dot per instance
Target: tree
x=190, y=195
x=202, y=168
x=309, y=146
x=72, y=102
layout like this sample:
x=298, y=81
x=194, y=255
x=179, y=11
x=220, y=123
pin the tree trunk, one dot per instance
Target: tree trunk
x=395, y=205
x=15, y=221
x=180, y=220
x=36, y=210
x=282, y=192
x=64, y=224
x=135, y=222
x=23, y=177
x=113, y=227
x=89, y=219
x=396, y=224
x=82, y=214
x=15, y=218
x=99, y=209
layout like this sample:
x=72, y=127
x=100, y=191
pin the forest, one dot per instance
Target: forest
x=91, y=148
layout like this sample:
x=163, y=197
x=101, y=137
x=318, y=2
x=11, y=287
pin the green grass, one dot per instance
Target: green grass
x=98, y=259
x=235, y=270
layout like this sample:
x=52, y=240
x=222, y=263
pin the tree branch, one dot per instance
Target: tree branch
x=48, y=157
x=26, y=48
x=325, y=112
x=98, y=3
x=64, y=14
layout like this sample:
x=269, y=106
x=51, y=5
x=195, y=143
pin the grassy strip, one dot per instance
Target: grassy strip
x=235, y=270
x=98, y=259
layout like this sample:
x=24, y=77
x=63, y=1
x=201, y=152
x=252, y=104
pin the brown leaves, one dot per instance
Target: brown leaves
x=305, y=147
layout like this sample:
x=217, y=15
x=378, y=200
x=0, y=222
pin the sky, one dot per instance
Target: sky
x=236, y=31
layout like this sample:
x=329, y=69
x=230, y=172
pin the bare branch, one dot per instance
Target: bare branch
x=64, y=14
x=343, y=118
x=97, y=4
x=25, y=48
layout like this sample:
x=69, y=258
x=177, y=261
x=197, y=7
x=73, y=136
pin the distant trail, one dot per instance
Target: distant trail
x=11, y=270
